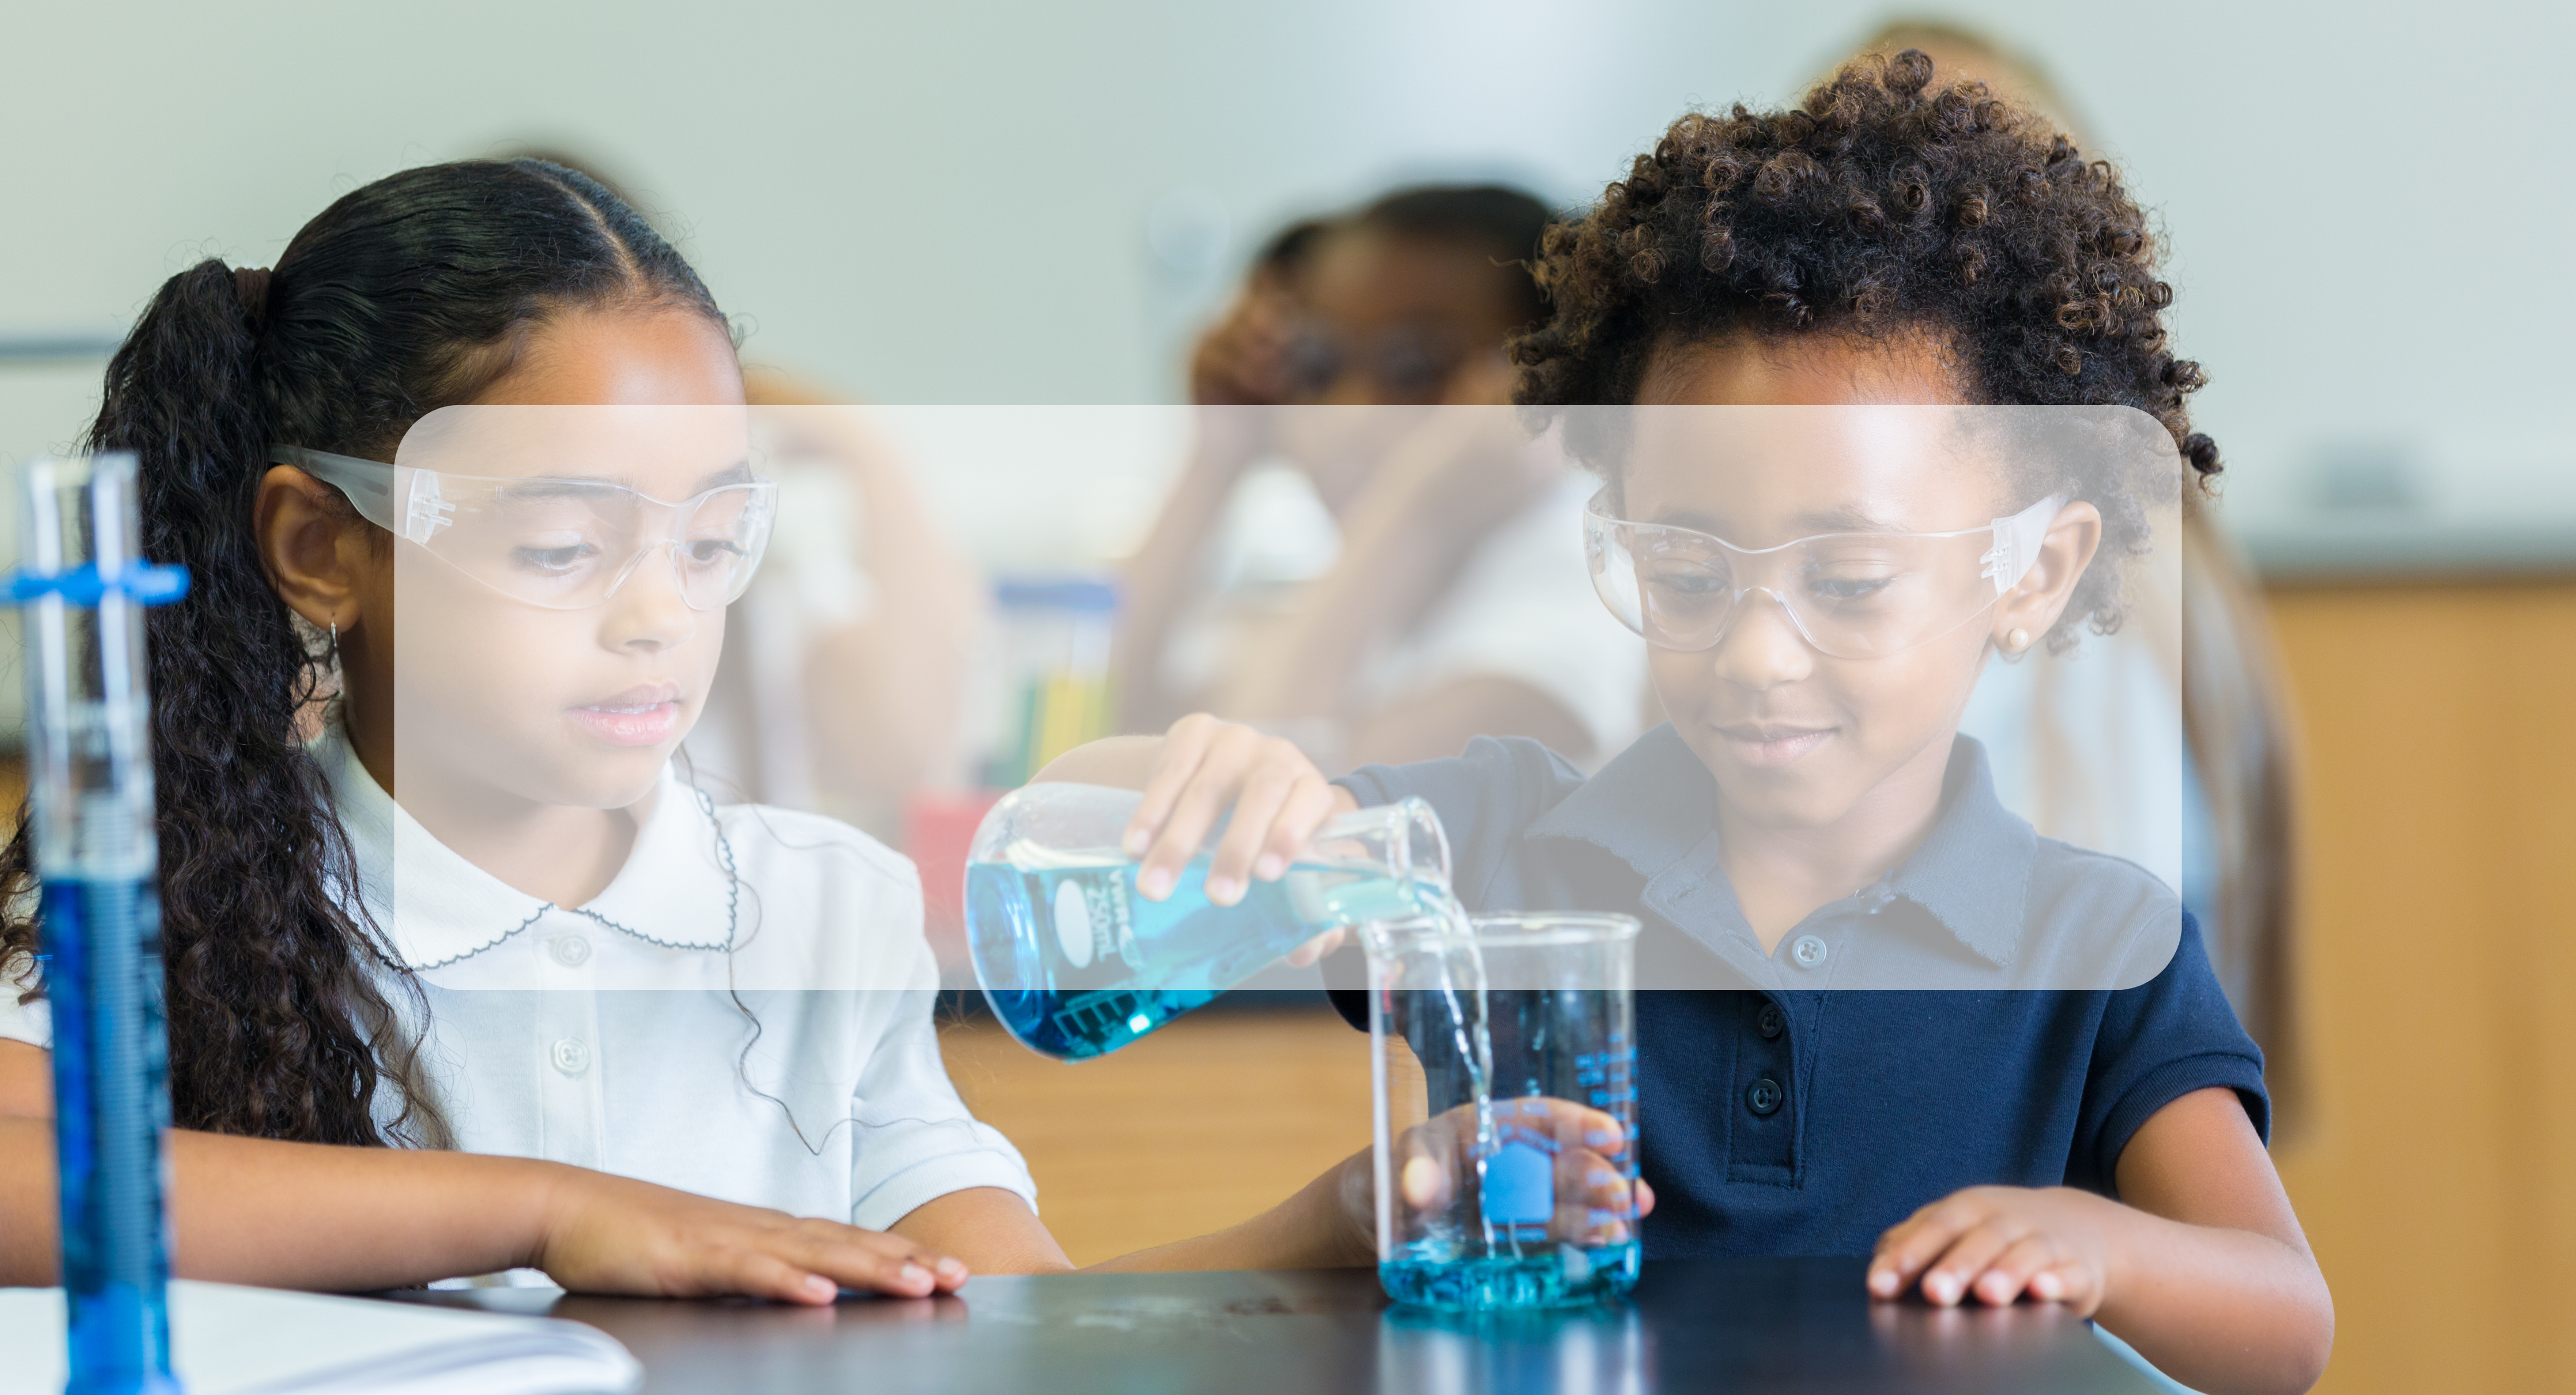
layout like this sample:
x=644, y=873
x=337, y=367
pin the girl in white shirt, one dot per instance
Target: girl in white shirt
x=552, y=952
x=492, y=986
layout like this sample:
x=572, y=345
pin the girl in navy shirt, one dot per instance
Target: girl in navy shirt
x=1893, y=241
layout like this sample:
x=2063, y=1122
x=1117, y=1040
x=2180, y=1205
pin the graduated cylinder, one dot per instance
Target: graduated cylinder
x=83, y=586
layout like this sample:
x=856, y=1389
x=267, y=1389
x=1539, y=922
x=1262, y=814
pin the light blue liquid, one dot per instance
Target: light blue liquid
x=1492, y=1251
x=1077, y=963
x=111, y=1104
x=1439, y=1274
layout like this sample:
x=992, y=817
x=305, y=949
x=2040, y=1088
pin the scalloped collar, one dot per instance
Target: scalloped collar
x=678, y=889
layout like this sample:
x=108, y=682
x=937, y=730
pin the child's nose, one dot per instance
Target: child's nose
x=650, y=611
x=1762, y=647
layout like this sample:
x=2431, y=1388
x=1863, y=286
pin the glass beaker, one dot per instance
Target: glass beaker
x=1077, y=963
x=1506, y=1110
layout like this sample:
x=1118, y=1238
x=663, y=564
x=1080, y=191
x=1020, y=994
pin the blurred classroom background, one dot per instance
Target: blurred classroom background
x=1013, y=204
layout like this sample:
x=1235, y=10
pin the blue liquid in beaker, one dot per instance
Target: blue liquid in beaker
x=1088, y=964
x=1435, y=1273
x=111, y=1103
x=1507, y=1054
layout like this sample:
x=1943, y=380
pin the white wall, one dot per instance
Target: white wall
x=950, y=203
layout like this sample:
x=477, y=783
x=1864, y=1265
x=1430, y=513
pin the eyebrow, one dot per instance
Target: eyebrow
x=1844, y=518
x=574, y=486
x=738, y=472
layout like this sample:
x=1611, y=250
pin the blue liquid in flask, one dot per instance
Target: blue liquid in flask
x=1078, y=963
x=112, y=1104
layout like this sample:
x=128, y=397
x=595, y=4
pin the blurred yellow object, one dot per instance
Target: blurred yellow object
x=1054, y=663
x=1071, y=709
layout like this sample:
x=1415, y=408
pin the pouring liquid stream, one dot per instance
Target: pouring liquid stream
x=1104, y=941
x=1077, y=963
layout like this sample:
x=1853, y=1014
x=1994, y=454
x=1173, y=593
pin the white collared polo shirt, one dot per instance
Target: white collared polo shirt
x=744, y=1013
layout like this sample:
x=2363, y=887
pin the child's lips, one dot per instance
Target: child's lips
x=627, y=721
x=1762, y=745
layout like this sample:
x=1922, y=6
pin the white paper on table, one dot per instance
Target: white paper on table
x=229, y=1340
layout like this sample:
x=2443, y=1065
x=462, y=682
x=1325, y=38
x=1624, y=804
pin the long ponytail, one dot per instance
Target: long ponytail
x=409, y=294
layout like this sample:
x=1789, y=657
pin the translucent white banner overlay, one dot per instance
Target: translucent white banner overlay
x=1881, y=697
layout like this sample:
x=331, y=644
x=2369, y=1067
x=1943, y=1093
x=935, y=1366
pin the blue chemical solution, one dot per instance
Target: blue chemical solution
x=1077, y=963
x=1441, y=1274
x=1496, y=1250
x=112, y=1102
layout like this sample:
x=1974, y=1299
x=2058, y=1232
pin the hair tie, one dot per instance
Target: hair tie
x=250, y=287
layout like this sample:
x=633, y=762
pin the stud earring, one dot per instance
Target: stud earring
x=2016, y=641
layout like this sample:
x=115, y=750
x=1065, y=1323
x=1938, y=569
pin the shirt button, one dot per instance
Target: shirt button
x=571, y=1055
x=1770, y=1022
x=1809, y=952
x=571, y=951
x=1763, y=1097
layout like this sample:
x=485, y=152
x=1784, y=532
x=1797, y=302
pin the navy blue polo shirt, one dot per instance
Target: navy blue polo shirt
x=1775, y=1119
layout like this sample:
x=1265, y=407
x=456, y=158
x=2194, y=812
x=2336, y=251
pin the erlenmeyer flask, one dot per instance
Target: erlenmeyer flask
x=1077, y=963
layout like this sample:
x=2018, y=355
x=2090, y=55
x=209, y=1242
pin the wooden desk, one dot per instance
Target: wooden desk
x=1734, y=1325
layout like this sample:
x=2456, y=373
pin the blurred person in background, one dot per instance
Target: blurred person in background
x=842, y=691
x=2239, y=843
x=841, y=688
x=1377, y=584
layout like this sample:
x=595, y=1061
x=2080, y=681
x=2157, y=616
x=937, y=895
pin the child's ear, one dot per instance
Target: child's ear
x=2027, y=611
x=313, y=547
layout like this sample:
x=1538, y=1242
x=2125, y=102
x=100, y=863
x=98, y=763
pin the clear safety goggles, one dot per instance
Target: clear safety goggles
x=1855, y=595
x=562, y=542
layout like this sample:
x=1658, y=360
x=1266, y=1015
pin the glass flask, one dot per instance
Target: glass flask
x=1077, y=963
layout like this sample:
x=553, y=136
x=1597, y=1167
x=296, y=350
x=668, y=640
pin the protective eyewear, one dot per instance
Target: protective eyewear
x=1407, y=361
x=1859, y=595
x=562, y=543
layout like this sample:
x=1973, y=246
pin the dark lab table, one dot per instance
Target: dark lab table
x=1730, y=1325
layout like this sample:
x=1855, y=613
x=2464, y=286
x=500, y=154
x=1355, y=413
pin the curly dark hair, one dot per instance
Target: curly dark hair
x=406, y=295
x=1882, y=206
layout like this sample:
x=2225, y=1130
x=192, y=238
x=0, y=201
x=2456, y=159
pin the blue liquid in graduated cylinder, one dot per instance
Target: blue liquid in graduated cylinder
x=1094, y=965
x=111, y=1104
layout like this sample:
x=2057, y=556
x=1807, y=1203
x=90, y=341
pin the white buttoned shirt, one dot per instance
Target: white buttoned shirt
x=744, y=1013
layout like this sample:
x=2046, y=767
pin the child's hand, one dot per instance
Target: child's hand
x=1242, y=359
x=1594, y=1202
x=1999, y=1243
x=608, y=1234
x=1208, y=767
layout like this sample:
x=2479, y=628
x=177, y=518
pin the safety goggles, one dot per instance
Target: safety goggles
x=1859, y=595
x=564, y=543
x=1409, y=363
